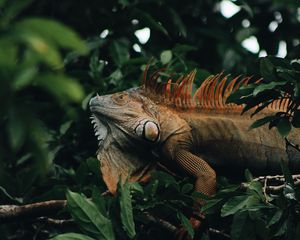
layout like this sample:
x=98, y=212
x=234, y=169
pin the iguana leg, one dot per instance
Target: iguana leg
x=195, y=166
x=205, y=182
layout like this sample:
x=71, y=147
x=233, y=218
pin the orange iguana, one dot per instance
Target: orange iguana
x=191, y=133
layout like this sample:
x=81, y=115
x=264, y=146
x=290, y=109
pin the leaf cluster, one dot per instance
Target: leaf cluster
x=255, y=214
x=279, y=89
x=126, y=215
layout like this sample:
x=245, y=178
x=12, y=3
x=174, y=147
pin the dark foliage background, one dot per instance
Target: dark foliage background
x=48, y=74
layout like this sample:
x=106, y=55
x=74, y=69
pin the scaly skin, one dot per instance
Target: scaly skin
x=188, y=141
x=191, y=133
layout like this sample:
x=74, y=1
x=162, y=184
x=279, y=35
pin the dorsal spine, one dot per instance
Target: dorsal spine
x=211, y=95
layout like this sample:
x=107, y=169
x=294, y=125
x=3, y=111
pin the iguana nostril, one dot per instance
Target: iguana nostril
x=151, y=131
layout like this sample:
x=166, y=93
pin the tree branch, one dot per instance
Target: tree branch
x=56, y=222
x=14, y=212
x=162, y=223
x=278, y=183
x=10, y=213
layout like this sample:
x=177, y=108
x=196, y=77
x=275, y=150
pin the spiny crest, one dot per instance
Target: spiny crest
x=211, y=95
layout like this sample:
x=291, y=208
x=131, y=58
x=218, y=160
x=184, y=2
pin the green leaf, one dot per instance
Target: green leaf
x=61, y=86
x=53, y=31
x=44, y=50
x=267, y=69
x=187, y=188
x=297, y=89
x=126, y=209
x=212, y=205
x=99, y=201
x=282, y=228
x=276, y=217
x=24, y=78
x=239, y=96
x=116, y=77
x=65, y=127
x=286, y=172
x=201, y=195
x=252, y=102
x=289, y=192
x=72, y=236
x=181, y=49
x=242, y=227
x=164, y=179
x=256, y=187
x=248, y=175
x=136, y=187
x=151, y=188
x=284, y=127
x=261, y=107
x=186, y=224
x=88, y=216
x=286, y=74
x=233, y=205
x=166, y=56
x=93, y=164
x=16, y=131
x=179, y=25
x=280, y=63
x=267, y=86
x=4, y=193
x=119, y=51
x=262, y=121
x=124, y=3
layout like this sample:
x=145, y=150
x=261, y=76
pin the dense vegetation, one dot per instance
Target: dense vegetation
x=55, y=55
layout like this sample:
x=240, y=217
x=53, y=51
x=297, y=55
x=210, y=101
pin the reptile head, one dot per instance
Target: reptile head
x=128, y=111
x=126, y=127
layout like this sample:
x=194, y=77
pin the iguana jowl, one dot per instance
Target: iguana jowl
x=193, y=133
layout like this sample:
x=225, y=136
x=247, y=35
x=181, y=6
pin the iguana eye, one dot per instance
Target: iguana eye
x=120, y=98
x=149, y=130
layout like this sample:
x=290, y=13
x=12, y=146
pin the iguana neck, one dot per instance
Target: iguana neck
x=171, y=123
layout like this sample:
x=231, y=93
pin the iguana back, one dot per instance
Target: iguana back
x=228, y=145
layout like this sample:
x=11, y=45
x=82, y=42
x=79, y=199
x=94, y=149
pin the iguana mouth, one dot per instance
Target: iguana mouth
x=99, y=128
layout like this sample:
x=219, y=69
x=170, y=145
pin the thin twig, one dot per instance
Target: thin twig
x=56, y=222
x=270, y=188
x=163, y=223
x=279, y=188
x=289, y=143
x=218, y=232
x=275, y=177
x=265, y=189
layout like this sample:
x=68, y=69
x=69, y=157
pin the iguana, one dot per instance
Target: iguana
x=193, y=133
